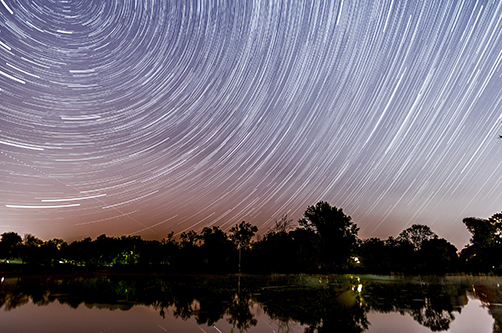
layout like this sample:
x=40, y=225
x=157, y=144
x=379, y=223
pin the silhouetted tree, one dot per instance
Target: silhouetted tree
x=190, y=254
x=152, y=254
x=306, y=250
x=106, y=250
x=338, y=234
x=416, y=235
x=402, y=256
x=32, y=241
x=277, y=253
x=131, y=246
x=9, y=245
x=80, y=252
x=486, y=240
x=217, y=249
x=29, y=250
x=374, y=256
x=53, y=251
x=189, y=238
x=437, y=256
x=284, y=224
x=171, y=250
x=241, y=234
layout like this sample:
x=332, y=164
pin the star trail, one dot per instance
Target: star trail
x=145, y=117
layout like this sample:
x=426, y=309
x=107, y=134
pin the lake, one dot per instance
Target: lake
x=250, y=304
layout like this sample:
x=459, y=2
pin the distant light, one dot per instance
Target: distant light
x=2, y=280
x=359, y=288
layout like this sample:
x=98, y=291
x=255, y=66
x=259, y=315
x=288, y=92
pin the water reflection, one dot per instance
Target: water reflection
x=326, y=304
x=490, y=294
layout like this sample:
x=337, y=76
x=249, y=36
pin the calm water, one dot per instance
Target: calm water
x=250, y=304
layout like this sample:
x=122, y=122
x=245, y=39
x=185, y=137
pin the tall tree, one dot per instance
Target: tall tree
x=241, y=234
x=337, y=232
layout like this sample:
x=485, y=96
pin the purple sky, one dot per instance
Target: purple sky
x=146, y=117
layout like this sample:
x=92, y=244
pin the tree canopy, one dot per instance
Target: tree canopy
x=485, y=243
x=337, y=233
x=242, y=233
x=417, y=234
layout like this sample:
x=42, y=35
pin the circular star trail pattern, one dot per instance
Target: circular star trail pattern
x=145, y=117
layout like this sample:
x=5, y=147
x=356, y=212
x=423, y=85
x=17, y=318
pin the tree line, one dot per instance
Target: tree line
x=326, y=241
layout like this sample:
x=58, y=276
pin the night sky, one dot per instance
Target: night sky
x=149, y=116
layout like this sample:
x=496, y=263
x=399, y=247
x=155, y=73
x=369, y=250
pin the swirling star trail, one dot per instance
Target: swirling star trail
x=145, y=117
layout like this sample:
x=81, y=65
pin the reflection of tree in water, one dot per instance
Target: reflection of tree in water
x=496, y=313
x=284, y=324
x=12, y=295
x=212, y=306
x=435, y=319
x=490, y=294
x=334, y=305
x=207, y=300
x=340, y=307
x=13, y=301
x=430, y=304
x=184, y=309
x=323, y=309
x=240, y=315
